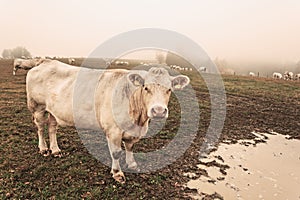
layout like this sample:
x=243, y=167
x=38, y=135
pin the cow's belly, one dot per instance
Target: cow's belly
x=61, y=108
x=63, y=116
x=63, y=122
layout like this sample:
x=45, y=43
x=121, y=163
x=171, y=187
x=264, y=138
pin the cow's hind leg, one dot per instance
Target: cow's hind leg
x=114, y=139
x=52, y=127
x=39, y=120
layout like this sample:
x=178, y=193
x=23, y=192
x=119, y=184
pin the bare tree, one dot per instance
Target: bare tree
x=223, y=66
x=160, y=57
x=6, y=53
x=17, y=52
x=221, y=63
x=174, y=59
x=297, y=68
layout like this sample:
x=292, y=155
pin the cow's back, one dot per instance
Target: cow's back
x=69, y=92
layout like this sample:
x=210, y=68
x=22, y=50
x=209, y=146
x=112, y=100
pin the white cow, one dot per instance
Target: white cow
x=277, y=75
x=26, y=64
x=71, y=61
x=123, y=102
x=288, y=75
x=251, y=74
x=297, y=77
x=203, y=69
x=125, y=63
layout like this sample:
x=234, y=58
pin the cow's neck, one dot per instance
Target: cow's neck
x=137, y=109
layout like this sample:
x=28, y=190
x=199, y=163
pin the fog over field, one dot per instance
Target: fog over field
x=246, y=35
x=233, y=135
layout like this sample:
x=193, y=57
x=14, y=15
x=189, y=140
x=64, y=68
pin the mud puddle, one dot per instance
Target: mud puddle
x=269, y=169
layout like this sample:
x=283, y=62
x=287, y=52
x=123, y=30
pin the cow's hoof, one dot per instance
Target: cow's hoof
x=57, y=154
x=119, y=177
x=45, y=152
x=133, y=167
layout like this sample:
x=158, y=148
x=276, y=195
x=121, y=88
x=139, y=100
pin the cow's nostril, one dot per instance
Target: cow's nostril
x=159, y=111
x=153, y=111
x=165, y=111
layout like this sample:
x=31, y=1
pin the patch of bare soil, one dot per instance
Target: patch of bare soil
x=252, y=104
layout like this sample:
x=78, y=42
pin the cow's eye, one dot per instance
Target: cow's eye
x=169, y=90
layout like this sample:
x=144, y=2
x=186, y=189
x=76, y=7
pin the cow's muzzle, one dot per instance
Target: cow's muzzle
x=159, y=112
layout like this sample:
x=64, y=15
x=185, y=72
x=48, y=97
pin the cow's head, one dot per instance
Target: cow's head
x=153, y=90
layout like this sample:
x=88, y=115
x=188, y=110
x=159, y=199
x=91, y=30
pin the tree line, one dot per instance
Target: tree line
x=17, y=52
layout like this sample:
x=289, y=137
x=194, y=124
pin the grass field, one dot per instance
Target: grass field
x=252, y=104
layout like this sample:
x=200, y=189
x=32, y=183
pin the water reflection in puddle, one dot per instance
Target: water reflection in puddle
x=269, y=170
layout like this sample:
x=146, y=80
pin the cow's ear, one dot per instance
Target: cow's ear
x=136, y=79
x=179, y=82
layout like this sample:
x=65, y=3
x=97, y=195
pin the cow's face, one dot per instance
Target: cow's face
x=156, y=98
x=153, y=90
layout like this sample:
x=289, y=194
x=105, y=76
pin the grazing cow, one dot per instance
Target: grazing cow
x=125, y=63
x=202, y=69
x=71, y=61
x=277, y=75
x=288, y=75
x=26, y=64
x=251, y=74
x=138, y=96
x=177, y=67
x=297, y=77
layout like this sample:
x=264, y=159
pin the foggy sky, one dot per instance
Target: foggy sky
x=240, y=31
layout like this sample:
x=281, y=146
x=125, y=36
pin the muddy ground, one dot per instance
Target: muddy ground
x=259, y=104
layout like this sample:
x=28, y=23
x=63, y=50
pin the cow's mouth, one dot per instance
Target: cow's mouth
x=158, y=117
x=158, y=112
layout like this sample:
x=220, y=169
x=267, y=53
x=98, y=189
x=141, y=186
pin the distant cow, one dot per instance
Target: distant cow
x=125, y=63
x=71, y=61
x=297, y=77
x=203, y=69
x=251, y=74
x=277, y=75
x=138, y=96
x=26, y=64
x=288, y=75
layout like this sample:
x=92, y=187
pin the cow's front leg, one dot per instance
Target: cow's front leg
x=52, y=126
x=15, y=70
x=130, y=161
x=114, y=138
